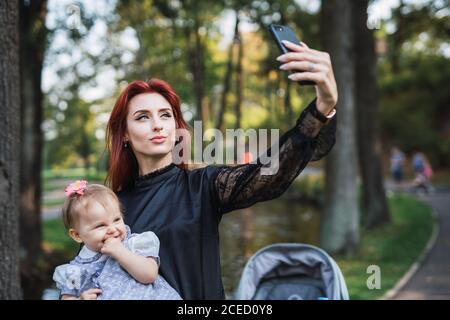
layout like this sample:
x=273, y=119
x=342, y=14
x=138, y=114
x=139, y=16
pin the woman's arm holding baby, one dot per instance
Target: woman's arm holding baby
x=143, y=269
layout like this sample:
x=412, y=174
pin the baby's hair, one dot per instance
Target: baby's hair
x=76, y=202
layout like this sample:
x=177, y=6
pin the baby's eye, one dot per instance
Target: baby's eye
x=99, y=226
x=117, y=219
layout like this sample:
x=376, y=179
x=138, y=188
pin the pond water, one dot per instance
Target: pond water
x=243, y=232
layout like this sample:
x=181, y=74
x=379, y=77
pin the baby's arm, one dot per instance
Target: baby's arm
x=143, y=269
x=67, y=278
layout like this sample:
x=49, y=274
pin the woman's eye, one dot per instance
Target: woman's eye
x=168, y=115
x=142, y=117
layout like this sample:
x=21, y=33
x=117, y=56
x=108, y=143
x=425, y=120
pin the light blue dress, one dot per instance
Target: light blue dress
x=92, y=269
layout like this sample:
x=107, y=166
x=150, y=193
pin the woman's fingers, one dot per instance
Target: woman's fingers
x=293, y=47
x=302, y=66
x=297, y=56
x=314, y=66
x=304, y=48
x=304, y=44
x=316, y=77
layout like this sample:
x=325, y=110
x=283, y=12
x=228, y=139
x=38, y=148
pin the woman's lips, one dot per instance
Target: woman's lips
x=158, y=140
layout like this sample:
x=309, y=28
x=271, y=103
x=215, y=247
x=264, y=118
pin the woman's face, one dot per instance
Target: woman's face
x=150, y=126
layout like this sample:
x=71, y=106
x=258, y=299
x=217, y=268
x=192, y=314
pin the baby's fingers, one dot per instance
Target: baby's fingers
x=94, y=290
x=90, y=294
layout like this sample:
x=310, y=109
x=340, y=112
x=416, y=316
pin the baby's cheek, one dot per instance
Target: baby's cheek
x=122, y=232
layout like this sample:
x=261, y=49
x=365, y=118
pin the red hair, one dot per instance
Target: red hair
x=123, y=166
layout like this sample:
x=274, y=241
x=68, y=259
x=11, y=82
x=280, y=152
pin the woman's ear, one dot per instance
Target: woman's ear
x=75, y=235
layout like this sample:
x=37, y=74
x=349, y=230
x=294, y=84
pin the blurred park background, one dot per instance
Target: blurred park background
x=63, y=64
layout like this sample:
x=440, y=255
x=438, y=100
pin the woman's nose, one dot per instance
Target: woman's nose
x=157, y=125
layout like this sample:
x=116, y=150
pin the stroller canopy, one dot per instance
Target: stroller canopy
x=289, y=271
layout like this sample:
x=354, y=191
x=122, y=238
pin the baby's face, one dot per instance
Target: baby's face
x=98, y=224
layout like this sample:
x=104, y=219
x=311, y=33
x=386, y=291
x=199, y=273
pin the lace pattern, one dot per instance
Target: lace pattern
x=243, y=185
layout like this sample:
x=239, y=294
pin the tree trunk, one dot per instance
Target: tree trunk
x=196, y=64
x=288, y=105
x=142, y=72
x=239, y=81
x=398, y=37
x=227, y=79
x=9, y=151
x=375, y=207
x=340, y=222
x=32, y=46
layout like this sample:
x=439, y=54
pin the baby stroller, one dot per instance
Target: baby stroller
x=291, y=271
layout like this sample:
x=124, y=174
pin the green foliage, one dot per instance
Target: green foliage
x=393, y=247
x=414, y=106
x=414, y=74
x=56, y=238
x=414, y=100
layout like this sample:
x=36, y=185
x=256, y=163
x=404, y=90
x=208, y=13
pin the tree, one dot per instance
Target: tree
x=239, y=78
x=9, y=151
x=375, y=207
x=340, y=222
x=69, y=115
x=32, y=46
x=227, y=78
x=414, y=102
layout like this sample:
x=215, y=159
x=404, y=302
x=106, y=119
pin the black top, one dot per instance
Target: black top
x=184, y=207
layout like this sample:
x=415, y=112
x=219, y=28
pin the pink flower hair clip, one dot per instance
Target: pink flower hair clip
x=76, y=187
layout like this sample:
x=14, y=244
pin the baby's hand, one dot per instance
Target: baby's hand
x=112, y=246
x=90, y=294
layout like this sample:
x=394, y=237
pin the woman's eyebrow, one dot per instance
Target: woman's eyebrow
x=147, y=111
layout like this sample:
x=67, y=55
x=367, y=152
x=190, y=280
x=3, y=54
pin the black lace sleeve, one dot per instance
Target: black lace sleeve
x=243, y=185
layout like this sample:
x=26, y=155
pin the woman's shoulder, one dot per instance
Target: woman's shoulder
x=208, y=170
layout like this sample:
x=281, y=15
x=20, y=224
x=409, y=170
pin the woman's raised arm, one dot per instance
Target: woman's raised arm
x=310, y=139
x=243, y=185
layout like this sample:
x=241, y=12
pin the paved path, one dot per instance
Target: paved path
x=51, y=213
x=432, y=279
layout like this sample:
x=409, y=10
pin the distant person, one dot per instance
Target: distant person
x=423, y=172
x=397, y=163
x=418, y=162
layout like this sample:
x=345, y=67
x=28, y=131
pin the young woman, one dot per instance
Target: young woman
x=184, y=207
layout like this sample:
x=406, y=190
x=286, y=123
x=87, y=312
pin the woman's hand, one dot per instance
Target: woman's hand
x=314, y=66
x=90, y=294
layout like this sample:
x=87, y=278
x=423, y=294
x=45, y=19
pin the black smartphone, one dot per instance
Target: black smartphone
x=280, y=33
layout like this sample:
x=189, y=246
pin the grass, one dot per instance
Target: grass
x=74, y=173
x=56, y=238
x=53, y=202
x=393, y=248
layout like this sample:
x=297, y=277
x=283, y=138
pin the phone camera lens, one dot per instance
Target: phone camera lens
x=280, y=28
